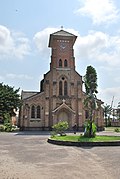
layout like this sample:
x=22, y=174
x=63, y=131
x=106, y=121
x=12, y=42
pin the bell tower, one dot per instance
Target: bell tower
x=62, y=52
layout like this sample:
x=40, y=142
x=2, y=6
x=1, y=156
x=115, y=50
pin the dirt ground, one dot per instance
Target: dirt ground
x=29, y=156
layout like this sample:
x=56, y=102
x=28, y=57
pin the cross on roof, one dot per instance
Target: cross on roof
x=63, y=100
x=61, y=27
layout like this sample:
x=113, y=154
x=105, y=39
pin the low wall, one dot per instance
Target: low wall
x=84, y=144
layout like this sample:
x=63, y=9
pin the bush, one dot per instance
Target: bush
x=15, y=128
x=7, y=123
x=60, y=127
x=87, y=129
x=8, y=127
x=1, y=128
x=117, y=130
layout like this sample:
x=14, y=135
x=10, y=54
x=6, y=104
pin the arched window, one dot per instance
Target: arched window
x=65, y=63
x=60, y=88
x=65, y=88
x=38, y=112
x=60, y=63
x=33, y=112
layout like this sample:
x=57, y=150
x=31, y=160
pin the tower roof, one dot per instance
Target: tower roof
x=60, y=34
x=63, y=33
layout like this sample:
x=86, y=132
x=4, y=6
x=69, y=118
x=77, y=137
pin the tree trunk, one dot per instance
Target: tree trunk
x=90, y=132
x=106, y=121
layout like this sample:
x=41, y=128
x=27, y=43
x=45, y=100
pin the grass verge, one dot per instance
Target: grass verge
x=86, y=139
x=111, y=129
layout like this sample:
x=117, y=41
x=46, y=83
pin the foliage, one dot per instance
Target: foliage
x=107, y=111
x=7, y=118
x=90, y=80
x=60, y=127
x=1, y=128
x=90, y=102
x=9, y=100
x=7, y=123
x=7, y=126
x=87, y=129
x=82, y=138
x=99, y=138
x=117, y=130
x=111, y=129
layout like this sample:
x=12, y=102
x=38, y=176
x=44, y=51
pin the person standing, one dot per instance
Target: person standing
x=75, y=128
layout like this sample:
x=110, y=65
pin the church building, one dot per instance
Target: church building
x=61, y=97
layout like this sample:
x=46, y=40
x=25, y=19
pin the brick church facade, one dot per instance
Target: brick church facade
x=61, y=97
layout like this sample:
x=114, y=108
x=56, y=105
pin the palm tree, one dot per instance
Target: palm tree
x=107, y=111
x=90, y=80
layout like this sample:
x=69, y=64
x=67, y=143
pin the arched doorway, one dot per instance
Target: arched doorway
x=64, y=115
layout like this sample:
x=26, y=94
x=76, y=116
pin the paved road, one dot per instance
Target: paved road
x=29, y=156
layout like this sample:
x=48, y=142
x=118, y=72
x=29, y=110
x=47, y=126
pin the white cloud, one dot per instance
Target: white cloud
x=87, y=45
x=19, y=76
x=117, y=79
x=1, y=78
x=41, y=39
x=101, y=11
x=108, y=94
x=99, y=47
x=96, y=46
x=13, y=44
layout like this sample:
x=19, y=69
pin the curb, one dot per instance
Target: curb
x=83, y=144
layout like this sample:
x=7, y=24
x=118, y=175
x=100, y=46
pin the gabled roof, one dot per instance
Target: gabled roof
x=63, y=105
x=27, y=94
x=61, y=34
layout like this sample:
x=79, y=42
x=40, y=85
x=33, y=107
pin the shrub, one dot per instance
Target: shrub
x=1, y=128
x=8, y=127
x=87, y=129
x=116, y=130
x=15, y=128
x=6, y=118
x=60, y=127
x=7, y=123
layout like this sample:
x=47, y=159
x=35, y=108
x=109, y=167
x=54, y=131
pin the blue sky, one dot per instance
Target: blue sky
x=25, y=26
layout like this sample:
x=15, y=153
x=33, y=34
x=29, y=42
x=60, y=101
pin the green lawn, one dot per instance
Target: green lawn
x=85, y=139
x=111, y=129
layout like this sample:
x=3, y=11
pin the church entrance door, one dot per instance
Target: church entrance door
x=63, y=116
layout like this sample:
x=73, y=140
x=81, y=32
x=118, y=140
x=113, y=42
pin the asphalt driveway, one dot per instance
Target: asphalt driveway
x=29, y=156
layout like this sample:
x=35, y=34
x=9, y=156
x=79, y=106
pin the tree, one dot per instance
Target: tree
x=9, y=100
x=107, y=111
x=90, y=80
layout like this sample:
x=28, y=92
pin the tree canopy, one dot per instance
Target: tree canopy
x=107, y=112
x=90, y=80
x=9, y=100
